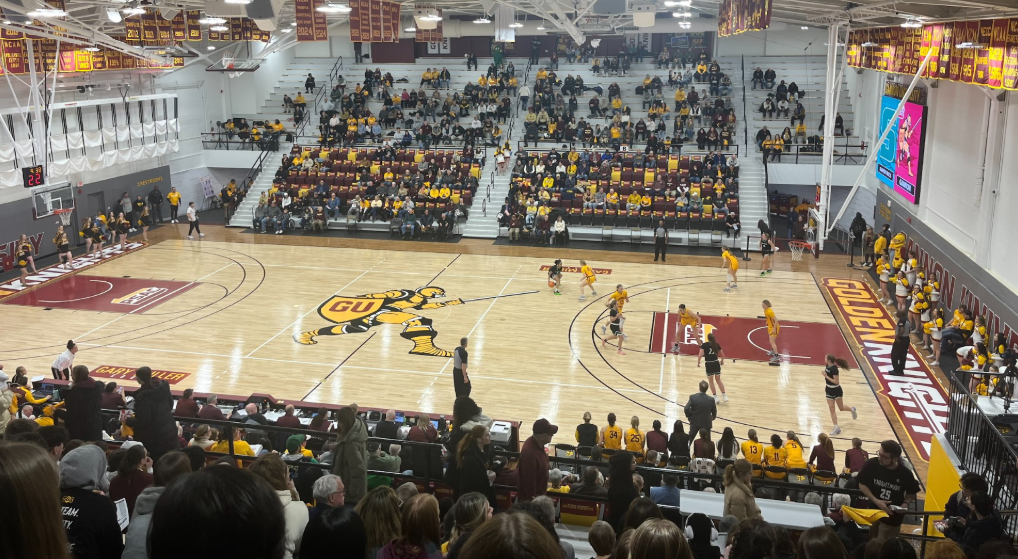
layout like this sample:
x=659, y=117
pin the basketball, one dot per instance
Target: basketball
x=551, y=283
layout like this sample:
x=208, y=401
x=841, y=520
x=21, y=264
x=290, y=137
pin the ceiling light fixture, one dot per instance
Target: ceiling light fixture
x=211, y=21
x=92, y=48
x=804, y=27
x=482, y=19
x=432, y=17
x=969, y=45
x=541, y=27
x=219, y=28
x=6, y=22
x=134, y=11
x=684, y=3
x=516, y=25
x=410, y=29
x=869, y=44
x=114, y=15
x=912, y=24
x=46, y=12
x=210, y=47
x=237, y=1
x=682, y=14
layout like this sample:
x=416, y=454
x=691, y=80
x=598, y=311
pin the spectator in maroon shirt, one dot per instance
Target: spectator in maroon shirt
x=658, y=440
x=210, y=411
x=112, y=399
x=186, y=406
x=533, y=465
x=823, y=454
x=855, y=457
x=423, y=431
x=289, y=419
x=132, y=477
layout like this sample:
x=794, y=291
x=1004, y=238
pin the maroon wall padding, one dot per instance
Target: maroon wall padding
x=386, y=53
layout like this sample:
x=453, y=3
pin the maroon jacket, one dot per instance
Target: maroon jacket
x=289, y=421
x=186, y=407
x=533, y=471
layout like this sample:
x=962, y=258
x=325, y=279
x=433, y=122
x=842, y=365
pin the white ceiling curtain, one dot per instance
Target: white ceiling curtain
x=504, y=15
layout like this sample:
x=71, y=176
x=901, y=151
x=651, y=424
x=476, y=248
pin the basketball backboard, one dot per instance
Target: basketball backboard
x=229, y=64
x=48, y=199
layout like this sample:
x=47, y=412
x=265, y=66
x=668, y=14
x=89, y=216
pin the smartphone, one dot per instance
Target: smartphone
x=399, y=417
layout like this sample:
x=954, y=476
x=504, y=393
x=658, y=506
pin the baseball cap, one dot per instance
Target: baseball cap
x=544, y=427
x=293, y=443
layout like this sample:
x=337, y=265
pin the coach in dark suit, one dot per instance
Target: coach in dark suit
x=701, y=411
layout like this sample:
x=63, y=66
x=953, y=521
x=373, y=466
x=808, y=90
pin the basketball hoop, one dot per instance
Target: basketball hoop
x=65, y=216
x=797, y=248
x=228, y=61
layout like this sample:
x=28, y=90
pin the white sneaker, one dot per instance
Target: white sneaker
x=201, y=234
x=190, y=237
x=592, y=292
x=582, y=298
x=935, y=363
x=717, y=398
x=836, y=430
x=724, y=396
x=855, y=414
x=726, y=290
x=604, y=329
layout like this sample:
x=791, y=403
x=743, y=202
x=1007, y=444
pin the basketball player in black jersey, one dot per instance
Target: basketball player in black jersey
x=767, y=248
x=615, y=323
x=713, y=358
x=833, y=390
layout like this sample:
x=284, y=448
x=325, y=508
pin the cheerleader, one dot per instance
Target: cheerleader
x=884, y=272
x=588, y=279
x=998, y=350
x=145, y=221
x=22, y=256
x=833, y=391
x=909, y=266
x=934, y=330
x=111, y=228
x=916, y=308
x=86, y=233
x=901, y=290
x=31, y=261
x=93, y=234
x=122, y=226
x=974, y=358
x=63, y=246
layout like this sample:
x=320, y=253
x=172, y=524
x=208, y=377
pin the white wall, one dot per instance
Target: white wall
x=1002, y=262
x=248, y=91
x=779, y=40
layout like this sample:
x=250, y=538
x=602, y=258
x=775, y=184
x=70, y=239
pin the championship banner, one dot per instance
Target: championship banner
x=14, y=53
x=149, y=29
x=237, y=29
x=179, y=26
x=983, y=52
x=10, y=34
x=374, y=21
x=740, y=16
x=193, y=27
x=429, y=35
x=133, y=27
x=164, y=30
x=114, y=60
x=304, y=15
x=99, y=61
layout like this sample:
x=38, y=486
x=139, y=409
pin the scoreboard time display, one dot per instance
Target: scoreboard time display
x=33, y=176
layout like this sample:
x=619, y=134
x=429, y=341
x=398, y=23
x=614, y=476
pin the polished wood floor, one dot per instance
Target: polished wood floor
x=532, y=355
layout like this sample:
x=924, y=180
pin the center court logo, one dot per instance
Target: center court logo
x=140, y=296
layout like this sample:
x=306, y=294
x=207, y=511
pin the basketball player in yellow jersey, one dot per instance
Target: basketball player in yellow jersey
x=686, y=318
x=773, y=327
x=588, y=279
x=775, y=455
x=728, y=260
x=611, y=434
x=621, y=297
x=635, y=439
x=752, y=450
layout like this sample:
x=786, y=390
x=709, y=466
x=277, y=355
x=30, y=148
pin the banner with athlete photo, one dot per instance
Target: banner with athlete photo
x=886, y=154
x=980, y=52
x=911, y=142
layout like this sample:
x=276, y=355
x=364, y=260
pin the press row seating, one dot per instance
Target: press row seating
x=660, y=204
x=646, y=219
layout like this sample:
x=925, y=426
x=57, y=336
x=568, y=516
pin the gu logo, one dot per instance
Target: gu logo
x=140, y=296
x=689, y=334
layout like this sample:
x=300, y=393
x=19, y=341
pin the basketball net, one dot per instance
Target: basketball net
x=65, y=216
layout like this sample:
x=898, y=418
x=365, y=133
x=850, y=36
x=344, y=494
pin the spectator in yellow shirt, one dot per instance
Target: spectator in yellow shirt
x=444, y=193
x=633, y=202
x=612, y=200
x=548, y=182
x=434, y=192
x=645, y=202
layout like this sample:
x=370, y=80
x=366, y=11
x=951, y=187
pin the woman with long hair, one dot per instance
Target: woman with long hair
x=320, y=421
x=821, y=542
x=752, y=450
x=275, y=472
x=835, y=395
x=710, y=351
x=728, y=447
x=202, y=437
x=222, y=444
x=934, y=329
x=767, y=248
x=473, y=466
x=659, y=539
x=379, y=510
x=775, y=455
x=883, y=268
x=621, y=489
x=420, y=533
x=511, y=535
x=132, y=477
x=635, y=439
x=588, y=275
x=23, y=258
x=794, y=450
x=703, y=447
x=31, y=526
x=640, y=511
x=823, y=454
x=615, y=324
x=678, y=442
x=471, y=510
x=63, y=246
x=92, y=234
x=83, y=401
x=739, y=499
x=122, y=227
x=144, y=221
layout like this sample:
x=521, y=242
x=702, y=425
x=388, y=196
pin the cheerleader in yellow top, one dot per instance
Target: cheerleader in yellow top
x=884, y=274
x=793, y=452
x=22, y=256
x=588, y=279
x=775, y=455
x=63, y=246
x=934, y=332
x=635, y=439
x=729, y=261
x=916, y=307
x=901, y=288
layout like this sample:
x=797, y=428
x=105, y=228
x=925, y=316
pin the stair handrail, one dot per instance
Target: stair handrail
x=256, y=168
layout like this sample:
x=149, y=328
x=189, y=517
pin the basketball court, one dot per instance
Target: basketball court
x=228, y=317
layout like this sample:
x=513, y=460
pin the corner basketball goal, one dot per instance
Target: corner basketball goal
x=797, y=248
x=64, y=215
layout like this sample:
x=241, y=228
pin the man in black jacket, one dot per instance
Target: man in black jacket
x=155, y=202
x=153, y=415
x=387, y=429
x=701, y=410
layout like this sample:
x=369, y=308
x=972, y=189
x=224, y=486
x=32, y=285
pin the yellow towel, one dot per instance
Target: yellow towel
x=863, y=516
